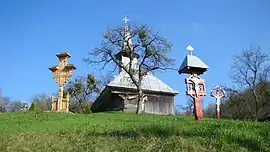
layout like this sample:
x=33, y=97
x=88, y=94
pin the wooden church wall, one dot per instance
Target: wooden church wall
x=131, y=105
x=160, y=104
x=156, y=104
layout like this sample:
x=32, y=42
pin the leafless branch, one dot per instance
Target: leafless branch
x=249, y=69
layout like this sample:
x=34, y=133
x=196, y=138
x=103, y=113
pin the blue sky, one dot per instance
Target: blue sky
x=32, y=32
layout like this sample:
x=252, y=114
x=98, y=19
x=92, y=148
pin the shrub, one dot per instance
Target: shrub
x=32, y=107
x=86, y=108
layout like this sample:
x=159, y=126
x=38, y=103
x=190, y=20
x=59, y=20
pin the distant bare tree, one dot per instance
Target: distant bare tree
x=42, y=102
x=139, y=42
x=210, y=110
x=4, y=101
x=190, y=106
x=250, y=70
x=187, y=109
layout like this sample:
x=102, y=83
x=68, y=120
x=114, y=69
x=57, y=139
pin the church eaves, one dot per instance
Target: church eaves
x=149, y=83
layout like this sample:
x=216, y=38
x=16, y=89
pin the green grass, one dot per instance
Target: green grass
x=106, y=132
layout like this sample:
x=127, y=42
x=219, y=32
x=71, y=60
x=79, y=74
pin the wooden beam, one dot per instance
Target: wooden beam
x=124, y=92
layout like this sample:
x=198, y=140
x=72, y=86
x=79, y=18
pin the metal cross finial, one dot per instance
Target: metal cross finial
x=190, y=49
x=125, y=19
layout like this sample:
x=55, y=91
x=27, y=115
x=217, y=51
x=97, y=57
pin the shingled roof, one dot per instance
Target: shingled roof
x=149, y=83
x=192, y=61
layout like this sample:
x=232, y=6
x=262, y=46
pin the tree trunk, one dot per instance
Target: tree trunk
x=82, y=109
x=256, y=104
x=140, y=103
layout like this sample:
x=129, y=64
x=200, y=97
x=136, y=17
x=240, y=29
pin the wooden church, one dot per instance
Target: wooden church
x=120, y=94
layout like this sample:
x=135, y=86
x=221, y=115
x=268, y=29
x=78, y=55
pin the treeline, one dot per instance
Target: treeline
x=244, y=105
x=250, y=100
x=82, y=90
x=8, y=105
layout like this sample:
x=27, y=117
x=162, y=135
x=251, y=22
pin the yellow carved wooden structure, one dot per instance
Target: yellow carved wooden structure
x=61, y=74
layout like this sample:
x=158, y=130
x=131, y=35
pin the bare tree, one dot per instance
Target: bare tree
x=210, y=110
x=42, y=102
x=250, y=70
x=4, y=101
x=140, y=43
x=189, y=108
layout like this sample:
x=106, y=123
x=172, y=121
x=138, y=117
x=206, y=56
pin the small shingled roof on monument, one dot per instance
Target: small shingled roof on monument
x=192, y=63
x=63, y=54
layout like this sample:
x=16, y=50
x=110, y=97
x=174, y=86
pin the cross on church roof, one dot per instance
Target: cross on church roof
x=190, y=49
x=125, y=19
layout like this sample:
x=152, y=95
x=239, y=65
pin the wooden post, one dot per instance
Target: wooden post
x=54, y=103
x=60, y=98
x=67, y=98
x=198, y=108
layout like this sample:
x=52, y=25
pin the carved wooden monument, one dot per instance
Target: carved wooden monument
x=61, y=74
x=195, y=85
x=218, y=92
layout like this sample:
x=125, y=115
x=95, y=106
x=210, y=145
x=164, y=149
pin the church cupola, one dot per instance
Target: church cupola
x=124, y=55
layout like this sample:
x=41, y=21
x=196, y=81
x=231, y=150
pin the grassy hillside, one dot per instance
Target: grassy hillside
x=127, y=132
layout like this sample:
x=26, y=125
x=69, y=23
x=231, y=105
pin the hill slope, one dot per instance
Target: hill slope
x=127, y=132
